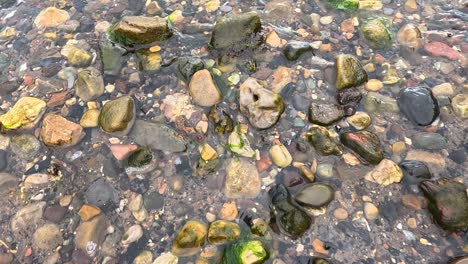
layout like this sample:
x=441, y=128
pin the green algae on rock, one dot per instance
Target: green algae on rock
x=190, y=239
x=345, y=5
x=140, y=161
x=323, y=142
x=139, y=30
x=25, y=114
x=221, y=232
x=377, y=32
x=117, y=116
x=245, y=252
x=349, y=72
x=364, y=143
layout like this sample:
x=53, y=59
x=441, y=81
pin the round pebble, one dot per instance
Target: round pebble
x=340, y=214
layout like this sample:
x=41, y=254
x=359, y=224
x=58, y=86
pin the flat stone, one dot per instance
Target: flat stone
x=87, y=212
x=51, y=17
x=7, y=182
x=377, y=103
x=90, y=118
x=203, y=89
x=91, y=232
x=430, y=141
x=163, y=137
x=47, y=237
x=27, y=218
x=385, y=173
x=118, y=116
x=435, y=161
x=315, y=195
x=242, y=180
x=25, y=146
x=190, y=238
x=440, y=49
x=58, y=131
x=25, y=114
x=137, y=30
x=102, y=194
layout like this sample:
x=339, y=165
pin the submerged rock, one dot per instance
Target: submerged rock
x=203, y=89
x=448, y=203
x=138, y=30
x=111, y=56
x=377, y=103
x=102, y=194
x=89, y=84
x=360, y=120
x=51, y=17
x=431, y=141
x=409, y=36
x=460, y=105
x=92, y=232
x=350, y=96
x=418, y=105
x=140, y=161
x=58, y=131
x=25, y=114
x=245, y=252
x=262, y=107
x=345, y=5
x=385, y=173
x=25, y=146
x=280, y=156
x=325, y=114
x=315, y=195
x=294, y=49
x=414, y=171
x=223, y=123
x=349, y=72
x=377, y=32
x=186, y=67
x=47, y=237
x=364, y=143
x=242, y=179
x=117, y=116
x=291, y=220
x=162, y=137
x=221, y=232
x=190, y=239
x=323, y=142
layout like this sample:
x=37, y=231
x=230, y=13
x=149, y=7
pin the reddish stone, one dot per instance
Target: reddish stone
x=379, y=58
x=28, y=252
x=28, y=80
x=57, y=99
x=439, y=49
x=121, y=151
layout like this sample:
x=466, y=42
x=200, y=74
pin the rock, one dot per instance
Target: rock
x=207, y=152
x=325, y=114
x=280, y=156
x=245, y=252
x=340, y=214
x=443, y=89
x=58, y=131
x=323, y=142
x=377, y=103
x=163, y=137
x=92, y=232
x=371, y=211
x=78, y=57
x=315, y=195
x=90, y=118
x=153, y=201
x=111, y=56
x=145, y=257
x=281, y=77
x=448, y=203
x=364, y=143
x=228, y=211
x=345, y=5
x=149, y=61
x=360, y=120
x=190, y=239
x=27, y=218
x=51, y=17
x=459, y=260
x=117, y=116
x=413, y=201
x=166, y=258
x=7, y=182
x=25, y=114
x=89, y=84
x=140, y=161
x=261, y=106
x=350, y=96
x=204, y=168
x=409, y=36
x=238, y=143
x=236, y=32
x=374, y=85
x=186, y=67
x=55, y=213
x=221, y=232
x=120, y=152
x=291, y=220
x=460, y=105
x=6, y=258
x=133, y=234
x=431, y=141
x=411, y=6
x=349, y=72
x=223, y=122
x=101, y=194
x=242, y=179
x=203, y=89
x=418, y=105
x=36, y=179
x=440, y=49
x=435, y=160
x=458, y=155
x=294, y=49
x=47, y=237
x=138, y=30
x=88, y=212
x=325, y=170
x=377, y=32
x=25, y=145
x=385, y=173
x=414, y=171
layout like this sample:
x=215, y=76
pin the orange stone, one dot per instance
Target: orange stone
x=228, y=211
x=319, y=247
x=120, y=152
x=87, y=212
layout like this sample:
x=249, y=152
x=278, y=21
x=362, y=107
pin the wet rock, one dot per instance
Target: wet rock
x=7, y=181
x=25, y=114
x=58, y=131
x=101, y=194
x=27, y=217
x=78, y=57
x=289, y=218
x=89, y=84
x=345, y=5
x=145, y=257
x=163, y=137
x=91, y=233
x=458, y=156
x=149, y=61
x=315, y=195
x=166, y=258
x=137, y=30
x=325, y=170
x=190, y=239
x=203, y=89
x=140, y=186
x=418, y=105
x=133, y=234
x=374, y=85
x=90, y=118
x=242, y=179
x=460, y=105
x=187, y=66
x=349, y=72
x=360, y=120
x=440, y=49
x=55, y=213
x=221, y=232
x=280, y=156
x=448, y=203
x=459, y=260
x=117, y=116
x=204, y=168
x=325, y=114
x=88, y=212
x=385, y=173
x=443, y=89
x=431, y=141
x=414, y=171
x=364, y=143
x=294, y=49
x=409, y=36
x=377, y=103
x=153, y=201
x=435, y=160
x=350, y=96
x=51, y=17
x=236, y=32
x=6, y=258
x=140, y=161
x=371, y=211
x=111, y=56
x=47, y=237
x=25, y=145
x=377, y=32
x=261, y=106
x=207, y=152
x=323, y=142
x=245, y=252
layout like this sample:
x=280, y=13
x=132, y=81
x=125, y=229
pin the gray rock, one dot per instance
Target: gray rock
x=325, y=114
x=315, y=195
x=3, y=159
x=431, y=141
x=153, y=201
x=25, y=146
x=294, y=49
x=101, y=194
x=89, y=84
x=7, y=181
x=111, y=56
x=325, y=170
x=419, y=105
x=161, y=136
x=27, y=218
x=137, y=30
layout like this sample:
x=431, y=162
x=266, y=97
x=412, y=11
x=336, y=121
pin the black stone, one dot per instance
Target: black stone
x=294, y=49
x=418, y=105
x=364, y=143
x=54, y=213
x=140, y=186
x=459, y=156
x=187, y=66
x=414, y=171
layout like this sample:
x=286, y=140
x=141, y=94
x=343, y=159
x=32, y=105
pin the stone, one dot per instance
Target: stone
x=25, y=114
x=149, y=61
x=294, y=49
x=90, y=118
x=345, y=5
x=203, y=89
x=88, y=212
x=291, y=220
x=7, y=182
x=364, y=143
x=440, y=49
x=242, y=179
x=360, y=120
x=138, y=30
x=373, y=85
x=25, y=146
x=350, y=96
x=145, y=257
x=57, y=131
x=435, y=160
x=280, y=156
x=6, y=258
x=411, y=6
x=349, y=72
x=377, y=103
x=460, y=105
x=448, y=203
x=430, y=141
x=186, y=67
x=162, y=137
x=409, y=36
x=207, y=152
x=443, y=89
x=315, y=195
x=340, y=213
x=325, y=114
x=229, y=211
x=118, y=116
x=323, y=142
x=101, y=194
x=190, y=239
x=325, y=170
x=371, y=211
x=47, y=237
x=418, y=105
x=166, y=258
x=280, y=78
x=55, y=213
x=413, y=201
x=245, y=252
x=261, y=106
x=133, y=234
x=120, y=152
x=385, y=173
x=414, y=171
x=223, y=123
x=111, y=56
x=89, y=84
x=140, y=161
x=153, y=201
x=377, y=32
x=3, y=160
x=221, y=232
x=27, y=218
x=92, y=232
x=36, y=179
x=51, y=17
x=78, y=57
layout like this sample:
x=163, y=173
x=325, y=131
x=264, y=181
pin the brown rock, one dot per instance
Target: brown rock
x=411, y=6
x=228, y=211
x=58, y=131
x=412, y=222
x=87, y=212
x=413, y=201
x=93, y=231
x=371, y=211
x=319, y=247
x=203, y=89
x=340, y=214
x=440, y=49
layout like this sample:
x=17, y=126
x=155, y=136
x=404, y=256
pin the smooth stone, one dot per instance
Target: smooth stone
x=434, y=160
x=242, y=179
x=324, y=170
x=323, y=142
x=294, y=49
x=203, y=89
x=47, y=237
x=349, y=72
x=51, y=17
x=57, y=131
x=376, y=31
x=280, y=156
x=162, y=137
x=377, y=103
x=315, y=195
x=140, y=161
x=366, y=144
x=414, y=171
x=166, y=258
x=90, y=118
x=240, y=144
x=245, y=252
x=460, y=105
x=153, y=201
x=385, y=173
x=133, y=234
x=448, y=203
x=25, y=114
x=373, y=85
x=25, y=145
x=55, y=213
x=27, y=217
x=371, y=211
x=190, y=239
x=409, y=36
x=91, y=232
x=221, y=232
x=325, y=114
x=89, y=84
x=78, y=57
x=111, y=56
x=430, y=141
x=102, y=194
x=7, y=182
x=360, y=120
x=418, y=105
x=443, y=89
x=118, y=116
x=138, y=30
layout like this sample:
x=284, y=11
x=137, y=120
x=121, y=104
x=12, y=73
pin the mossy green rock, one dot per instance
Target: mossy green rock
x=364, y=143
x=140, y=161
x=345, y=5
x=221, y=232
x=139, y=30
x=349, y=72
x=448, y=203
x=89, y=84
x=117, y=116
x=190, y=239
x=322, y=141
x=377, y=32
x=245, y=252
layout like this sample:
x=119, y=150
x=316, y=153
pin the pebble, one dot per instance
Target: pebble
x=385, y=173
x=444, y=89
x=412, y=223
x=325, y=170
x=203, y=89
x=228, y=211
x=133, y=234
x=460, y=105
x=326, y=20
x=280, y=156
x=47, y=237
x=371, y=211
x=373, y=85
x=340, y=213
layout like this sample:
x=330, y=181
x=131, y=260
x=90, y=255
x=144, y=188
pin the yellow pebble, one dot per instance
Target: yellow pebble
x=374, y=85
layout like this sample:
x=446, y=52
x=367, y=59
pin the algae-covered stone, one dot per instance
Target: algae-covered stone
x=294, y=49
x=149, y=61
x=238, y=143
x=78, y=57
x=325, y=114
x=145, y=257
x=364, y=143
x=138, y=30
x=242, y=179
x=349, y=72
x=345, y=5
x=117, y=116
x=377, y=32
x=24, y=114
x=221, y=232
x=89, y=84
x=360, y=120
x=245, y=252
x=140, y=161
x=190, y=239
x=377, y=103
x=323, y=142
